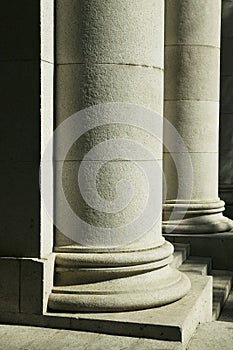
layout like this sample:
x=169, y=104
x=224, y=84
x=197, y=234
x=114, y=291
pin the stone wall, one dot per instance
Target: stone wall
x=24, y=243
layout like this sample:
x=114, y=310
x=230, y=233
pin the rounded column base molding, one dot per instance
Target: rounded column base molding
x=195, y=217
x=121, y=283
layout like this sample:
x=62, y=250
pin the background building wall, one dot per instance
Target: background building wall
x=25, y=262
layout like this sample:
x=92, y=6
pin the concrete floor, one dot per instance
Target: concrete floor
x=210, y=336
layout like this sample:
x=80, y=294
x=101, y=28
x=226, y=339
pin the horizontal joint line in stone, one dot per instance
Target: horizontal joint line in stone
x=108, y=160
x=194, y=45
x=189, y=99
x=42, y=60
x=109, y=63
x=191, y=152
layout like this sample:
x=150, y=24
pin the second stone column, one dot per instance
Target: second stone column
x=192, y=69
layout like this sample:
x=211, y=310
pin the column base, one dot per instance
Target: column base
x=113, y=282
x=195, y=217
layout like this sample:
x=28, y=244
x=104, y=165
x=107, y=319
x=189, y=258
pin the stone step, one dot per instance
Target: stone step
x=222, y=284
x=222, y=280
x=197, y=265
x=181, y=254
x=227, y=312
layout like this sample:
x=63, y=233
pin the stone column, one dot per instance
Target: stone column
x=192, y=69
x=226, y=112
x=110, y=51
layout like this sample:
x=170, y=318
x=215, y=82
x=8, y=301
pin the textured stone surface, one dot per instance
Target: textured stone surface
x=199, y=138
x=211, y=336
x=202, y=165
x=80, y=86
x=19, y=338
x=103, y=32
x=189, y=22
x=196, y=78
x=47, y=31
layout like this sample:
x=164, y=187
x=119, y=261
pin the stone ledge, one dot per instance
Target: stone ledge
x=174, y=322
x=218, y=246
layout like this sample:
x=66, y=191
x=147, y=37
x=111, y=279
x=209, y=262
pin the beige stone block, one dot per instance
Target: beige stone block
x=9, y=285
x=20, y=28
x=195, y=121
x=80, y=86
x=204, y=176
x=47, y=104
x=47, y=30
x=226, y=132
x=227, y=94
x=20, y=209
x=196, y=78
x=226, y=56
x=47, y=121
x=109, y=31
x=227, y=18
x=193, y=22
x=20, y=111
x=111, y=140
x=107, y=197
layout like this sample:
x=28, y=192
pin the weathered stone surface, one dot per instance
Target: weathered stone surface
x=202, y=165
x=199, y=138
x=19, y=337
x=192, y=22
x=47, y=31
x=79, y=86
x=196, y=78
x=211, y=336
x=103, y=32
